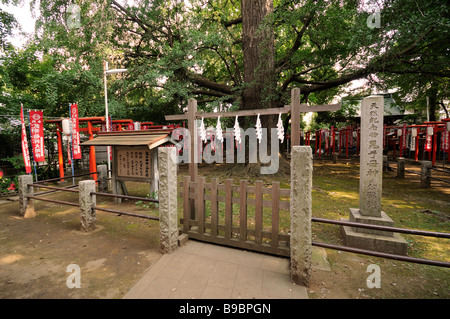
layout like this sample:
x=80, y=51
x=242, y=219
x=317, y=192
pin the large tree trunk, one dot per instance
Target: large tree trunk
x=432, y=101
x=258, y=49
x=259, y=67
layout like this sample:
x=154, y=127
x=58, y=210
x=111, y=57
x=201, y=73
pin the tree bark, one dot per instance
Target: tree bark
x=433, y=102
x=259, y=68
x=259, y=53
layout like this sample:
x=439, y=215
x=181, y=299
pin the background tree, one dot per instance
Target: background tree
x=225, y=53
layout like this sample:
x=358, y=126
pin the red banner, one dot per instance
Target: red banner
x=76, y=148
x=37, y=135
x=404, y=136
x=25, y=151
x=429, y=138
x=332, y=137
x=445, y=140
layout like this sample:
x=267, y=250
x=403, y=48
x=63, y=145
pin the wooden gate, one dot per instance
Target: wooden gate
x=237, y=215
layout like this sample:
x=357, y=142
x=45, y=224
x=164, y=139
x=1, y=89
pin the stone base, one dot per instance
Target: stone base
x=382, y=241
x=384, y=220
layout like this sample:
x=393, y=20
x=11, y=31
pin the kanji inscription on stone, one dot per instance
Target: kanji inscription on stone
x=371, y=171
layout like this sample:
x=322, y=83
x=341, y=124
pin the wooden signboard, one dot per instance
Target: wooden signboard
x=134, y=163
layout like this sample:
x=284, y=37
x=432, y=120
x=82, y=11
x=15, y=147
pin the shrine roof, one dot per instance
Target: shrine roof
x=148, y=138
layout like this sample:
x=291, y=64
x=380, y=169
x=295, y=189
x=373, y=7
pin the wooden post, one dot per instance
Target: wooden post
x=193, y=165
x=201, y=204
x=275, y=212
x=214, y=206
x=258, y=211
x=243, y=210
x=186, y=203
x=192, y=127
x=295, y=117
x=228, y=208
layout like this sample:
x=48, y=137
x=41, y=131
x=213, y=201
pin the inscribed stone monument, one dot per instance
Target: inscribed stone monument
x=371, y=187
x=371, y=166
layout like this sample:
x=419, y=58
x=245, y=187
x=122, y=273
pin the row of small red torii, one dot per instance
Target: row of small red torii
x=394, y=135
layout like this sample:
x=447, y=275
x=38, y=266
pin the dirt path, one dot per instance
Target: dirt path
x=35, y=253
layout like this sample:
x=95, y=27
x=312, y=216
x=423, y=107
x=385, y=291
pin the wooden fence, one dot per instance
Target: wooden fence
x=214, y=214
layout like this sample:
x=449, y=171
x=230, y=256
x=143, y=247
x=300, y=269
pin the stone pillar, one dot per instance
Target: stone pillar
x=154, y=183
x=301, y=213
x=370, y=187
x=401, y=167
x=168, y=225
x=87, y=202
x=425, y=173
x=102, y=178
x=371, y=159
x=26, y=204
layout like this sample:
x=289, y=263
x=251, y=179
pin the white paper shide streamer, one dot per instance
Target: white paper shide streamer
x=280, y=129
x=202, y=131
x=258, y=129
x=219, y=132
x=237, y=131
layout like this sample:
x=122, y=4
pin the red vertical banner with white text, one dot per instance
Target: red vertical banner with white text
x=445, y=138
x=76, y=148
x=403, y=138
x=25, y=151
x=429, y=138
x=37, y=135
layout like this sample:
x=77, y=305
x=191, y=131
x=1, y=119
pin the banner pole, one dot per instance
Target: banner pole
x=71, y=145
x=32, y=151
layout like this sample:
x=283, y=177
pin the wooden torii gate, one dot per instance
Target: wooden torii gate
x=295, y=108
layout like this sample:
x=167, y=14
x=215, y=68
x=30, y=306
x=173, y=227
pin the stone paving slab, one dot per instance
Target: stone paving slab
x=205, y=271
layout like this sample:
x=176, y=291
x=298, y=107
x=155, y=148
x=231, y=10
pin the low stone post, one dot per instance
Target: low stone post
x=26, y=204
x=301, y=214
x=385, y=163
x=425, y=173
x=401, y=167
x=168, y=226
x=87, y=202
x=102, y=178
